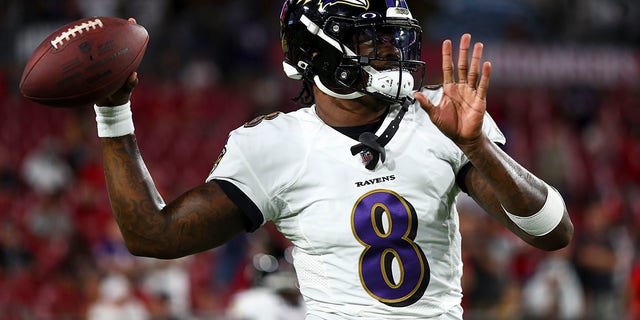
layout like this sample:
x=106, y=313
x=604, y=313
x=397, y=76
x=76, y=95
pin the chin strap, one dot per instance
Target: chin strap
x=371, y=147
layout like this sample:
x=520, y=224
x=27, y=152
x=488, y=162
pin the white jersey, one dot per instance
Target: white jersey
x=369, y=244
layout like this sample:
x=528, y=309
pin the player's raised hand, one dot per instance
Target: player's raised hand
x=461, y=110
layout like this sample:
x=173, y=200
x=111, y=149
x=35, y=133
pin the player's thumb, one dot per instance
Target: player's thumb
x=425, y=103
x=131, y=83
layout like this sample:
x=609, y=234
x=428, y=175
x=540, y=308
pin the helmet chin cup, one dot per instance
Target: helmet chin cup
x=390, y=83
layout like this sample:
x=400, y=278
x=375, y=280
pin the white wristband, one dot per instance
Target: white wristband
x=545, y=220
x=114, y=121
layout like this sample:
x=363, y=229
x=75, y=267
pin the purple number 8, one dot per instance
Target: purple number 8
x=383, y=246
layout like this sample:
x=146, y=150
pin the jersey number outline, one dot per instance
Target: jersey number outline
x=257, y=120
x=383, y=246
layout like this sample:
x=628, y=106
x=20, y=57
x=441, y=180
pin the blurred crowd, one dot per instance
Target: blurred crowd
x=211, y=66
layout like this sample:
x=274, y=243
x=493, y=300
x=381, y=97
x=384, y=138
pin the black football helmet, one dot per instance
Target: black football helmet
x=349, y=48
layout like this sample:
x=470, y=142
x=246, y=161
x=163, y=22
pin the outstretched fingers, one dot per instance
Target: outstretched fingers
x=447, y=62
x=467, y=74
x=474, y=70
x=483, y=86
x=463, y=57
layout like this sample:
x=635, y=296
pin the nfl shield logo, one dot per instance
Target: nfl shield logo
x=366, y=156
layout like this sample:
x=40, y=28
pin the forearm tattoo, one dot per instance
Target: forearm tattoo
x=194, y=222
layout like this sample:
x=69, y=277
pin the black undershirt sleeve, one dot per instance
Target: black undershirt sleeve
x=461, y=176
x=252, y=217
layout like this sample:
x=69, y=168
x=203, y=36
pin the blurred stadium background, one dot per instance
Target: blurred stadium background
x=565, y=91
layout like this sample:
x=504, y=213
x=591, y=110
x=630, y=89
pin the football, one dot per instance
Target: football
x=83, y=61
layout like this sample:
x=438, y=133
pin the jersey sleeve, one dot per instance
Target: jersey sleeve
x=256, y=163
x=492, y=131
x=236, y=178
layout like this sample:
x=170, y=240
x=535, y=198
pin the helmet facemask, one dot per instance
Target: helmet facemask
x=359, y=54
